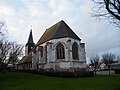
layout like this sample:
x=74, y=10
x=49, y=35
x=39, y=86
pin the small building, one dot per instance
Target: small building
x=59, y=48
x=103, y=66
x=115, y=66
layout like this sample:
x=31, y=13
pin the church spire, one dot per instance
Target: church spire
x=30, y=39
x=30, y=44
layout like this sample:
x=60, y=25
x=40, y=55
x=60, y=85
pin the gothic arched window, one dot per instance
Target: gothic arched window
x=75, y=51
x=60, y=51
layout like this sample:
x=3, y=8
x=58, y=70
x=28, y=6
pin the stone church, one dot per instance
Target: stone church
x=59, y=48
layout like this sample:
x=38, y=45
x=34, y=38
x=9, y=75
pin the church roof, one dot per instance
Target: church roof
x=59, y=30
x=26, y=59
x=30, y=39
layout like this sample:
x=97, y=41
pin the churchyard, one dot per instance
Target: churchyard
x=28, y=81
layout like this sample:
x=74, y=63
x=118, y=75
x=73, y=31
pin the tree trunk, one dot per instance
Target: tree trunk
x=95, y=70
x=109, y=69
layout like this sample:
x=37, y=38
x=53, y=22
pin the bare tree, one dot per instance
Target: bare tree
x=3, y=29
x=95, y=61
x=5, y=47
x=118, y=58
x=4, y=44
x=108, y=59
x=8, y=50
x=16, y=51
x=109, y=9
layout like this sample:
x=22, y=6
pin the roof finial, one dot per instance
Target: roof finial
x=31, y=27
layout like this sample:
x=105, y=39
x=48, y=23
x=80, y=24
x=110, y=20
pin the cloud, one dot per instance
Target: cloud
x=19, y=15
x=6, y=10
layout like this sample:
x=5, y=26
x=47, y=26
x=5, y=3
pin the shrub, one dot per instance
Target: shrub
x=80, y=73
x=67, y=73
x=117, y=71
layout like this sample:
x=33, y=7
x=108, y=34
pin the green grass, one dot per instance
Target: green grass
x=28, y=81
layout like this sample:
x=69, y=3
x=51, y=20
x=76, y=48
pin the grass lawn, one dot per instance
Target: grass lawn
x=28, y=81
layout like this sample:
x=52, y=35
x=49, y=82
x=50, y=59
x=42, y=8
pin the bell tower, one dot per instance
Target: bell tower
x=30, y=44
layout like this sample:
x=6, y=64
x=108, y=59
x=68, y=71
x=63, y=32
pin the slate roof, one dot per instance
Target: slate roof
x=59, y=30
x=22, y=60
x=26, y=59
x=30, y=39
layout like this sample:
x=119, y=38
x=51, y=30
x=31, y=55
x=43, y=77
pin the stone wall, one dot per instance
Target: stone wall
x=49, y=60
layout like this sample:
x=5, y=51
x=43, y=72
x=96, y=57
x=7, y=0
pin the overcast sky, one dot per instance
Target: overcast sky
x=19, y=15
